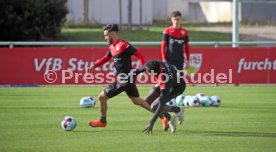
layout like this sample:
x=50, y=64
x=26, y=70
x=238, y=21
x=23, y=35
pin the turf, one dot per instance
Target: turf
x=150, y=34
x=30, y=121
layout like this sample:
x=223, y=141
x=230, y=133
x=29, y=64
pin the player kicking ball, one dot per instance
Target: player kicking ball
x=169, y=86
x=120, y=51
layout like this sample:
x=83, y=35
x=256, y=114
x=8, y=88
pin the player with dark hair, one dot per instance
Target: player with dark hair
x=120, y=51
x=169, y=86
x=175, y=39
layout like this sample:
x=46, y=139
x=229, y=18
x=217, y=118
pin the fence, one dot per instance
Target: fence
x=12, y=44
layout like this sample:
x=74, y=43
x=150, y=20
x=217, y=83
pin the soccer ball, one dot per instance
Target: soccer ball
x=87, y=102
x=194, y=101
x=200, y=95
x=68, y=123
x=187, y=100
x=180, y=100
x=205, y=101
x=215, y=100
x=172, y=103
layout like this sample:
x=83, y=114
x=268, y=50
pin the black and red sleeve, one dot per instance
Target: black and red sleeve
x=187, y=48
x=130, y=50
x=164, y=43
x=104, y=59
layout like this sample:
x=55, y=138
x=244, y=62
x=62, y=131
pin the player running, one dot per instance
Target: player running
x=174, y=39
x=169, y=86
x=120, y=51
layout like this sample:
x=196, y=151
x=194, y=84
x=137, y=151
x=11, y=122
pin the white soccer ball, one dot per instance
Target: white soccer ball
x=172, y=103
x=87, y=102
x=200, y=95
x=187, y=100
x=194, y=101
x=215, y=100
x=205, y=101
x=68, y=123
x=180, y=100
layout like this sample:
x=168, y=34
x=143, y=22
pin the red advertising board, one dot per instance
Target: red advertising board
x=245, y=65
x=67, y=65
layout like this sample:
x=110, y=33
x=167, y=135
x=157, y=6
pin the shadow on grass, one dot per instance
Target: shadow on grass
x=98, y=130
x=236, y=134
x=87, y=131
x=202, y=133
x=105, y=130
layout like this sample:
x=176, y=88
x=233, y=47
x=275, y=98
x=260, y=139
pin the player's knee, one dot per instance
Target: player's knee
x=153, y=107
x=147, y=99
x=136, y=101
x=102, y=97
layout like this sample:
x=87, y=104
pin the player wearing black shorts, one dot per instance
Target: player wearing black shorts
x=170, y=85
x=120, y=51
x=175, y=39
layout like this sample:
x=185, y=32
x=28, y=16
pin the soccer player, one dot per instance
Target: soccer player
x=120, y=51
x=175, y=40
x=169, y=86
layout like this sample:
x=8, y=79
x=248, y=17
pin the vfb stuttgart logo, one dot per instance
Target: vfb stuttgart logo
x=195, y=63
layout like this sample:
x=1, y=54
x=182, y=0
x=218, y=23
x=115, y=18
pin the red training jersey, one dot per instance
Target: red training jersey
x=121, y=53
x=174, y=42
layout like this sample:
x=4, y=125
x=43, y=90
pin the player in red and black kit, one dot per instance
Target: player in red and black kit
x=120, y=51
x=175, y=39
x=169, y=87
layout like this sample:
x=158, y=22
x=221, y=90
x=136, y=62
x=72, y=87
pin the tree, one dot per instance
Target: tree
x=31, y=19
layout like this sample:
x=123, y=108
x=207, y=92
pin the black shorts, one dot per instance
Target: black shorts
x=115, y=89
x=173, y=91
x=178, y=65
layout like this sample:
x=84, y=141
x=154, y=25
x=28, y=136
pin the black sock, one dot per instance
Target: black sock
x=175, y=109
x=103, y=119
x=167, y=116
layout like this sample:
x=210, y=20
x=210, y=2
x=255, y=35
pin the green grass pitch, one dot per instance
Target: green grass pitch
x=31, y=117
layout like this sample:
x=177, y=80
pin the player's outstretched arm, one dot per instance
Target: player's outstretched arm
x=140, y=57
x=137, y=71
x=100, y=62
x=148, y=129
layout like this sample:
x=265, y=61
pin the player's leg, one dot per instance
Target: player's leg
x=153, y=94
x=102, y=108
x=132, y=92
x=109, y=92
x=140, y=102
x=179, y=111
x=176, y=92
x=103, y=104
x=165, y=110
